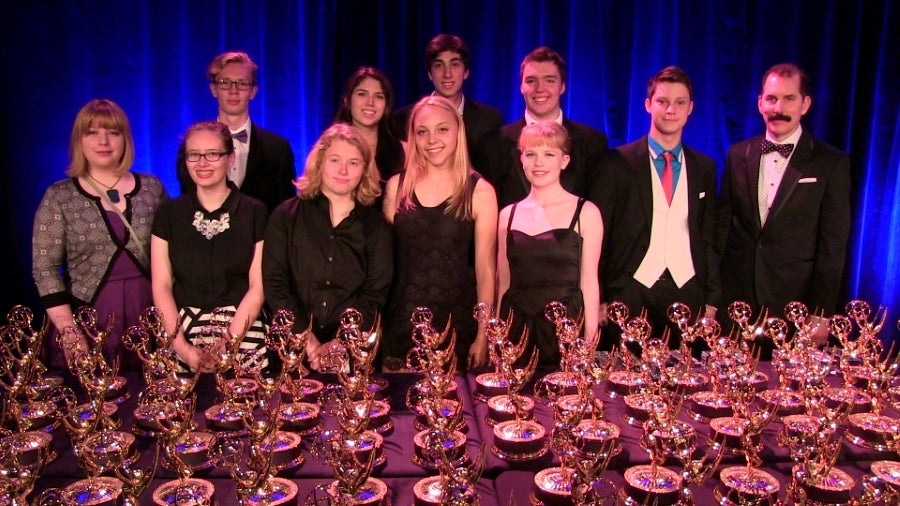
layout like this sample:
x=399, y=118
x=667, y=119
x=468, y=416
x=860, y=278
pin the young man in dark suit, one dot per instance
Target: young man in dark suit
x=264, y=161
x=657, y=197
x=784, y=207
x=448, y=63
x=543, y=81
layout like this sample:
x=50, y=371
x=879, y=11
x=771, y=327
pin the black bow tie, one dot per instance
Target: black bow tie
x=768, y=146
x=241, y=136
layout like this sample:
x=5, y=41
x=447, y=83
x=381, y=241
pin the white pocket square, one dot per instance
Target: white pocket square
x=805, y=180
x=702, y=195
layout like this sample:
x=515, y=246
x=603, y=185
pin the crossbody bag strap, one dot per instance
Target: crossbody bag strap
x=142, y=255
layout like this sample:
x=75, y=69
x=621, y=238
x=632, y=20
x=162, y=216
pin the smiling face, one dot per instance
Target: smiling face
x=103, y=148
x=436, y=131
x=234, y=102
x=367, y=103
x=669, y=108
x=541, y=87
x=543, y=164
x=204, y=173
x=782, y=104
x=342, y=168
x=447, y=73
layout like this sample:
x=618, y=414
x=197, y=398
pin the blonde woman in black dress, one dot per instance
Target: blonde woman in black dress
x=445, y=220
x=548, y=244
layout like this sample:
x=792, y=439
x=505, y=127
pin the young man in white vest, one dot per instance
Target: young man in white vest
x=657, y=197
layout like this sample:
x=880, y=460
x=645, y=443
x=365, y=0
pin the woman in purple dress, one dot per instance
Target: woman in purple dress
x=91, y=232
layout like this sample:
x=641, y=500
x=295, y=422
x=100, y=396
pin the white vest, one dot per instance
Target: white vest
x=670, y=240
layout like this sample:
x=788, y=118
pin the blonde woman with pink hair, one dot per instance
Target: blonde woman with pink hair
x=549, y=245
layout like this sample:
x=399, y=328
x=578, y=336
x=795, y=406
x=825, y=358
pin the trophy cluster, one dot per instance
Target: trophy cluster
x=692, y=414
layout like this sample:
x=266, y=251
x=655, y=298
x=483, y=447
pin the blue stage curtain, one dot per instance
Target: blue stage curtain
x=150, y=57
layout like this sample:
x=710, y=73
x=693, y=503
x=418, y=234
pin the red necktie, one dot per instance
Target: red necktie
x=668, y=177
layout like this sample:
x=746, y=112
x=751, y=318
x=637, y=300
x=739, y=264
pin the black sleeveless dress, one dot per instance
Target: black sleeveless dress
x=542, y=268
x=434, y=266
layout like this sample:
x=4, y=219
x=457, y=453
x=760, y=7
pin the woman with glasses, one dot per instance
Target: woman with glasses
x=366, y=104
x=91, y=232
x=206, y=252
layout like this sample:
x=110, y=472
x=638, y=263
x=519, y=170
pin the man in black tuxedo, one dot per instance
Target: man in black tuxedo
x=448, y=62
x=264, y=161
x=543, y=81
x=657, y=197
x=784, y=207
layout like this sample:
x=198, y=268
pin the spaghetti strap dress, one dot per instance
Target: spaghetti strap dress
x=542, y=268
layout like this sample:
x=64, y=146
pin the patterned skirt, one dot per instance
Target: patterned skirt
x=252, y=349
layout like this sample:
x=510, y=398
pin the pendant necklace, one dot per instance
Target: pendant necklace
x=111, y=191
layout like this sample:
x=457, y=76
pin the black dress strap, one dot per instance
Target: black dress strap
x=577, y=214
x=512, y=212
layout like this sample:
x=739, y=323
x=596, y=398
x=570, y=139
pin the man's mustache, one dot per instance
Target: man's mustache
x=779, y=117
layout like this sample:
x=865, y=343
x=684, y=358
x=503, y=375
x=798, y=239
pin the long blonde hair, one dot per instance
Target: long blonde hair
x=416, y=165
x=310, y=183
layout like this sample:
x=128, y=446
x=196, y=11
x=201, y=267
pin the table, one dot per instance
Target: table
x=501, y=482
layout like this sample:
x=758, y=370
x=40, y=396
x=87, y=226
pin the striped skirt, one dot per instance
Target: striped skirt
x=252, y=348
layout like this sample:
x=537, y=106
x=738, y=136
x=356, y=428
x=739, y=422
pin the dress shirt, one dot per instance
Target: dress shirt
x=238, y=173
x=771, y=170
x=530, y=120
x=313, y=268
x=462, y=102
x=659, y=162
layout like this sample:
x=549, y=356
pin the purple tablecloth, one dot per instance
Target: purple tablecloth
x=508, y=478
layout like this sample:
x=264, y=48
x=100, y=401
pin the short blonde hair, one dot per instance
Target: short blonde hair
x=416, y=165
x=310, y=183
x=99, y=113
x=219, y=62
x=545, y=133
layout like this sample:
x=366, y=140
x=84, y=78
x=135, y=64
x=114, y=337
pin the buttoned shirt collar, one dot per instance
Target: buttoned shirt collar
x=656, y=151
x=530, y=120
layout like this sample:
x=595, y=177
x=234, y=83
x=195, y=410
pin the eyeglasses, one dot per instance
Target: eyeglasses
x=225, y=84
x=211, y=156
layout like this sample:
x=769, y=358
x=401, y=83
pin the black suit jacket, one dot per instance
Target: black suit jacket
x=270, y=169
x=798, y=254
x=623, y=191
x=479, y=119
x=497, y=158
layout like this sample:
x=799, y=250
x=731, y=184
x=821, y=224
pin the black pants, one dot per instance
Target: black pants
x=656, y=300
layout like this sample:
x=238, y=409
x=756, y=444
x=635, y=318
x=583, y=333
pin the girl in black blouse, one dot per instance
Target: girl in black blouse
x=328, y=249
x=206, y=252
